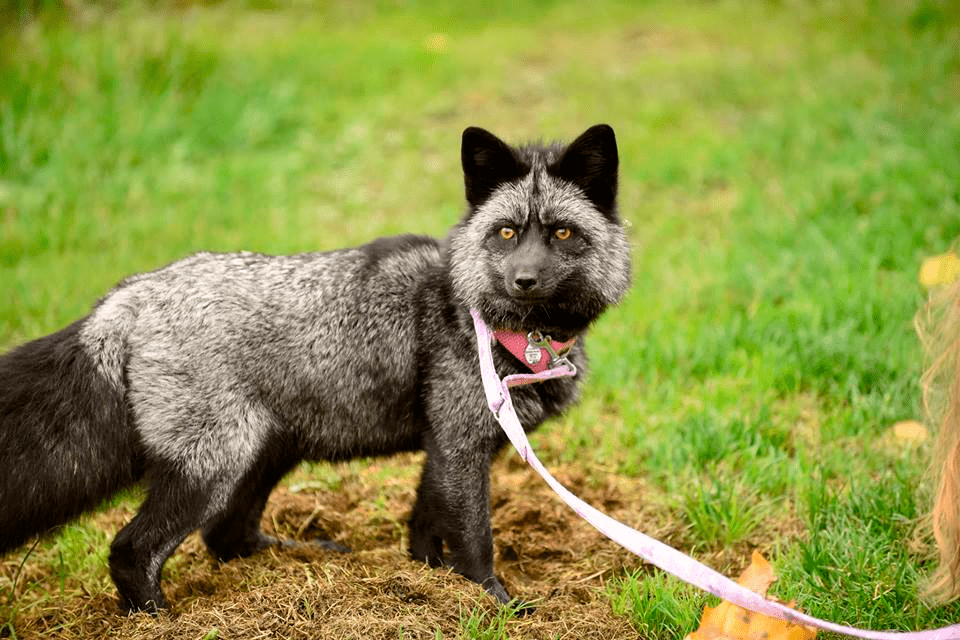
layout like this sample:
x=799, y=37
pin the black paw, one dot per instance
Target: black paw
x=493, y=586
x=151, y=606
x=518, y=608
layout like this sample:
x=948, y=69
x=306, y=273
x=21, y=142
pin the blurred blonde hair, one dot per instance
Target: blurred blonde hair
x=938, y=325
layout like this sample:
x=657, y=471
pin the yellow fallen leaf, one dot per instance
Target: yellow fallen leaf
x=728, y=621
x=736, y=623
x=713, y=617
x=938, y=270
x=764, y=628
x=910, y=431
x=795, y=632
x=759, y=575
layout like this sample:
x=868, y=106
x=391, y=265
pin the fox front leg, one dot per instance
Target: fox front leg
x=453, y=506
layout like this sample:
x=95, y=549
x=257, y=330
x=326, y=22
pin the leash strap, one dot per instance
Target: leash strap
x=653, y=551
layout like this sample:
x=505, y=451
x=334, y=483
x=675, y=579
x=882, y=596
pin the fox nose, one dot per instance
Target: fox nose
x=525, y=281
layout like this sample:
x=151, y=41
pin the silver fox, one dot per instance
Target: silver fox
x=212, y=377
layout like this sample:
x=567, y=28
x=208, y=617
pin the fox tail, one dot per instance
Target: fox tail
x=66, y=441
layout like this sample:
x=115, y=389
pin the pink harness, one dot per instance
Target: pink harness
x=533, y=349
x=653, y=551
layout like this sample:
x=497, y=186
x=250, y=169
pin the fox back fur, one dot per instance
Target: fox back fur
x=212, y=377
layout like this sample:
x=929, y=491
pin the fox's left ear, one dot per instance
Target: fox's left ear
x=591, y=162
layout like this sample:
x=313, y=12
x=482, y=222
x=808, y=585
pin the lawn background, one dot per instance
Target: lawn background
x=785, y=167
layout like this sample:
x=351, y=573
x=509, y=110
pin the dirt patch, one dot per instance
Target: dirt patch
x=545, y=555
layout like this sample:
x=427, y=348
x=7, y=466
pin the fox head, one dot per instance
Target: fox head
x=541, y=245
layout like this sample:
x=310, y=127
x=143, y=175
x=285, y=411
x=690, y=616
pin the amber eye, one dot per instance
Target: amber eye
x=507, y=233
x=562, y=233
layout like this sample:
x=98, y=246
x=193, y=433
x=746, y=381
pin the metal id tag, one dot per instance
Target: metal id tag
x=532, y=354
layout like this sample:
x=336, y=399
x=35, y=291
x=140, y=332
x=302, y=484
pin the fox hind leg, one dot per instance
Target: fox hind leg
x=221, y=494
x=234, y=532
x=174, y=507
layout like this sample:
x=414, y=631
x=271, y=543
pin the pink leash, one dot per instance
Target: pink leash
x=653, y=551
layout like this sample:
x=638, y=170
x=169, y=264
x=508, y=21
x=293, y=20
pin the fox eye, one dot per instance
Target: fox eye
x=507, y=233
x=562, y=233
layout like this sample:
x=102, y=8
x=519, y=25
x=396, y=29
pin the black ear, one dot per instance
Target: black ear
x=591, y=162
x=487, y=163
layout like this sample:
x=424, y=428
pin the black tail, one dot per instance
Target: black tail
x=66, y=439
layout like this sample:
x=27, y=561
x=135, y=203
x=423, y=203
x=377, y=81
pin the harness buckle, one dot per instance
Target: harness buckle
x=537, y=341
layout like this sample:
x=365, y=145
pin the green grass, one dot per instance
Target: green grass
x=484, y=625
x=657, y=604
x=785, y=168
